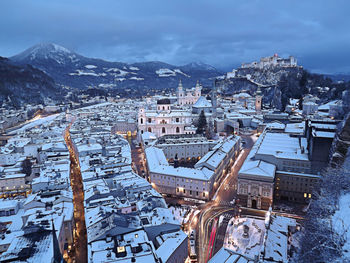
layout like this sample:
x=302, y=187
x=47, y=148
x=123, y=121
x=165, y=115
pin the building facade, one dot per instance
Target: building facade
x=199, y=182
x=188, y=97
x=164, y=120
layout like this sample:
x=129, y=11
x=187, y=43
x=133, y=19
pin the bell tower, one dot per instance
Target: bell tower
x=198, y=90
x=180, y=93
x=258, y=100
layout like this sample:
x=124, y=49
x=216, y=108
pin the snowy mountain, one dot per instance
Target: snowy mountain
x=71, y=69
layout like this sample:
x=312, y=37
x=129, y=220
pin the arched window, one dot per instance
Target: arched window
x=177, y=130
x=149, y=129
x=163, y=130
x=141, y=131
x=141, y=120
x=163, y=108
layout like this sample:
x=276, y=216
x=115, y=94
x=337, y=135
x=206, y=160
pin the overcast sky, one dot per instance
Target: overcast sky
x=221, y=33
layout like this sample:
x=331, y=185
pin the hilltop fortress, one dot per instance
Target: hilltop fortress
x=273, y=61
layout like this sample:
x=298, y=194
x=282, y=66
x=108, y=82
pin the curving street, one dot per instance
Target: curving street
x=79, y=231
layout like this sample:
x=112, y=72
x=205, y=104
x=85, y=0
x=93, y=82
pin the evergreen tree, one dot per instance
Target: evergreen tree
x=202, y=123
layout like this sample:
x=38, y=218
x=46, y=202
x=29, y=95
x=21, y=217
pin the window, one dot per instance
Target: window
x=141, y=120
x=184, y=191
x=190, y=192
x=177, y=120
x=197, y=193
x=149, y=129
x=149, y=120
x=177, y=190
x=203, y=194
x=163, y=130
x=177, y=130
x=163, y=108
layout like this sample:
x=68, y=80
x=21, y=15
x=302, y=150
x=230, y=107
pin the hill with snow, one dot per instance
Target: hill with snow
x=71, y=69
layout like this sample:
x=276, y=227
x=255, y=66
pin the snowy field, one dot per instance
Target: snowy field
x=249, y=245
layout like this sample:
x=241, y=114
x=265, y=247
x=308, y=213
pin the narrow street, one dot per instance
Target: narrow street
x=137, y=157
x=79, y=231
x=211, y=210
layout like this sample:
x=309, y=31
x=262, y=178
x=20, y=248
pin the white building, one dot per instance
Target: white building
x=188, y=97
x=164, y=120
x=199, y=182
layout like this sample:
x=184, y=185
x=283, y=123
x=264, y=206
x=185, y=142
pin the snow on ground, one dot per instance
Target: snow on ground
x=341, y=222
x=136, y=78
x=134, y=68
x=235, y=240
x=35, y=122
x=90, y=66
x=103, y=85
x=87, y=73
x=180, y=72
x=165, y=72
x=117, y=72
x=183, y=213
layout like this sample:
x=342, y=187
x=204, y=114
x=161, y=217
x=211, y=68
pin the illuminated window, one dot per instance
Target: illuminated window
x=305, y=195
x=309, y=195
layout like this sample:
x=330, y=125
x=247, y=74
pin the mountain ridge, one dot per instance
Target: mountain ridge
x=71, y=69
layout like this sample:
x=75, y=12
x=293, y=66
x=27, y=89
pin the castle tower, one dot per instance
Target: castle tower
x=258, y=100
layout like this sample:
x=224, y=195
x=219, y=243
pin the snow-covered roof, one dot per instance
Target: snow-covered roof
x=148, y=136
x=259, y=169
x=242, y=95
x=282, y=145
x=202, y=102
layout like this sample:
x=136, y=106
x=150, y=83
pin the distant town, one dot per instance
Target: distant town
x=220, y=172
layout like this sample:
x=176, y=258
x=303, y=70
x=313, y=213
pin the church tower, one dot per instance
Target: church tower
x=142, y=116
x=198, y=90
x=180, y=93
x=214, y=99
x=258, y=100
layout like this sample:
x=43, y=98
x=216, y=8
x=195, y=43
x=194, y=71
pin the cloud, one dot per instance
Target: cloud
x=222, y=33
